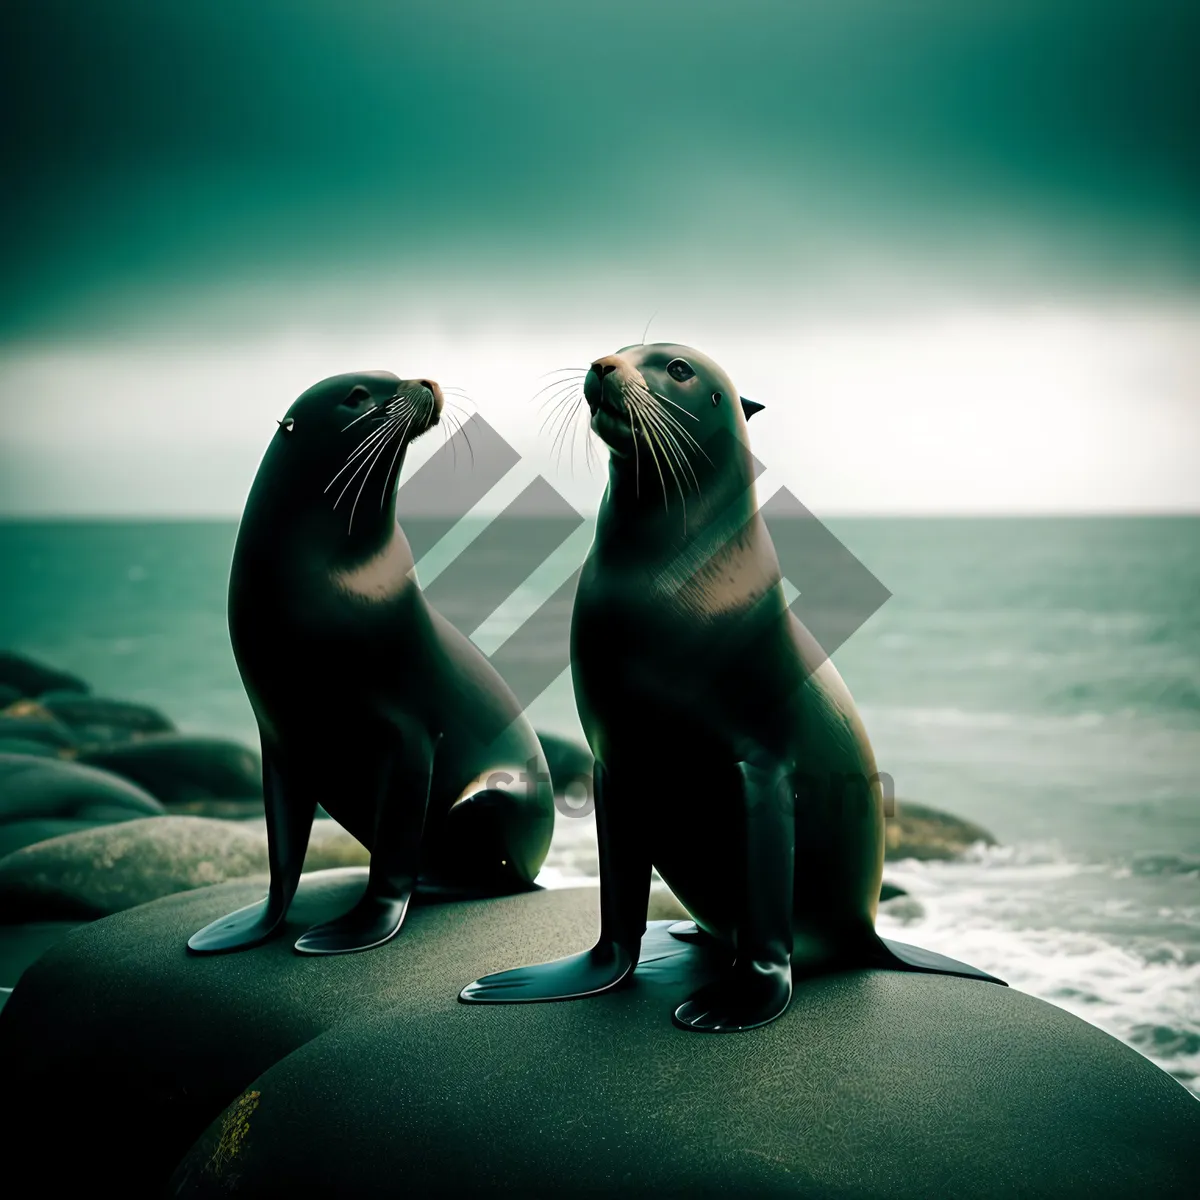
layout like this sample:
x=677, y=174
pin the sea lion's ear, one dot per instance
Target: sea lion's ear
x=287, y=424
x=750, y=407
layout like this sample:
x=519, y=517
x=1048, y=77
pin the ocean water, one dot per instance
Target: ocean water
x=1038, y=676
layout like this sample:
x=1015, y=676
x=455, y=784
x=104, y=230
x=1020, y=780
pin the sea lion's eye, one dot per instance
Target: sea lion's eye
x=678, y=369
x=716, y=399
x=358, y=394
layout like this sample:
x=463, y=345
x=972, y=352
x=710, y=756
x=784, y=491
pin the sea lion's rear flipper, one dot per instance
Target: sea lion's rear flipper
x=624, y=894
x=914, y=958
x=400, y=781
x=290, y=803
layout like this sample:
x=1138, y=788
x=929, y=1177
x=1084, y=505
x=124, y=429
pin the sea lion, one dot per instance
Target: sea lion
x=368, y=702
x=683, y=650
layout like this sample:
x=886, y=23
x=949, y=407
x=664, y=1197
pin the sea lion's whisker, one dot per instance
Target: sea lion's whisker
x=637, y=459
x=660, y=396
x=556, y=401
x=371, y=412
x=669, y=429
x=402, y=402
x=682, y=458
x=564, y=423
x=556, y=389
x=383, y=489
x=365, y=460
x=635, y=408
x=467, y=438
x=369, y=441
x=572, y=424
x=567, y=403
x=560, y=387
x=581, y=371
x=673, y=423
x=361, y=448
x=661, y=435
x=566, y=391
x=374, y=459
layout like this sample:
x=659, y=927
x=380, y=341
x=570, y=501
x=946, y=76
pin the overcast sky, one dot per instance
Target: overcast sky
x=955, y=249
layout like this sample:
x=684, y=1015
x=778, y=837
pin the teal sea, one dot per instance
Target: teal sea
x=1038, y=676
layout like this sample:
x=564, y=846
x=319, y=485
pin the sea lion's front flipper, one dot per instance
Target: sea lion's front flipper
x=757, y=988
x=624, y=894
x=915, y=958
x=290, y=802
x=402, y=801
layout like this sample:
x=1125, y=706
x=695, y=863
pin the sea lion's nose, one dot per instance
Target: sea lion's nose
x=431, y=386
x=593, y=384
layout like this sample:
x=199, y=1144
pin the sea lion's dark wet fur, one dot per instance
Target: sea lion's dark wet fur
x=368, y=702
x=729, y=753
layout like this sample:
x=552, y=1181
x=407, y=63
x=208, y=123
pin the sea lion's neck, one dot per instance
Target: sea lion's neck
x=711, y=557
x=296, y=520
x=638, y=510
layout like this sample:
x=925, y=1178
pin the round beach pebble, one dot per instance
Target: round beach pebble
x=28, y=677
x=16, y=745
x=16, y=835
x=32, y=787
x=99, y=719
x=94, y=872
x=179, y=769
x=28, y=721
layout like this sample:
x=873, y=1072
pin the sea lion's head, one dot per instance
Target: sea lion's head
x=350, y=432
x=334, y=412
x=643, y=391
x=659, y=406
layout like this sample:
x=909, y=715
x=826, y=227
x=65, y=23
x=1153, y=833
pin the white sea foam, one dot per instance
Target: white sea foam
x=1011, y=911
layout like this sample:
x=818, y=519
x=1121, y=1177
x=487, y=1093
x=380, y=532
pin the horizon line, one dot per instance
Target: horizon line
x=64, y=518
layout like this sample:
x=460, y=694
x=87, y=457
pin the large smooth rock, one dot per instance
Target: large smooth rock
x=180, y=769
x=28, y=677
x=33, y=788
x=98, y=719
x=917, y=831
x=14, y=745
x=22, y=945
x=15, y=835
x=362, y=1074
x=95, y=872
x=226, y=808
